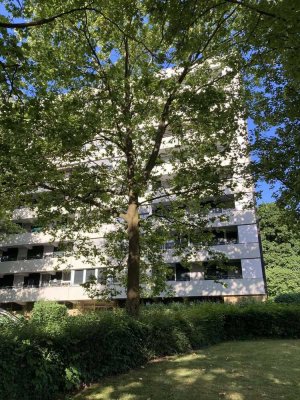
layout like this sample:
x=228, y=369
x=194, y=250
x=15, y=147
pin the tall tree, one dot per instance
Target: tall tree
x=105, y=85
x=273, y=99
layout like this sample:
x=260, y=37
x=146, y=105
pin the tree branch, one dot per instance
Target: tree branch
x=39, y=22
x=193, y=60
x=253, y=8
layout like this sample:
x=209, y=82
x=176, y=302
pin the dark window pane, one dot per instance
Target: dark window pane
x=219, y=236
x=232, y=235
x=7, y=281
x=36, y=229
x=169, y=245
x=35, y=253
x=231, y=269
x=235, y=269
x=210, y=271
x=178, y=273
x=182, y=273
x=78, y=277
x=66, y=275
x=10, y=254
x=171, y=273
x=90, y=273
x=32, y=280
x=57, y=276
x=46, y=279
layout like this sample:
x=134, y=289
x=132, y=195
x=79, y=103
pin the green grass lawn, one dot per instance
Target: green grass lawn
x=250, y=370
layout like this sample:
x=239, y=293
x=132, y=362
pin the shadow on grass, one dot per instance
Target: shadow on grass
x=268, y=369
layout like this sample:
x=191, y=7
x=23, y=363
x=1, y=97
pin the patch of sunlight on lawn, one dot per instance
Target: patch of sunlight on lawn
x=234, y=396
x=184, y=375
x=188, y=357
x=105, y=394
x=278, y=381
x=228, y=371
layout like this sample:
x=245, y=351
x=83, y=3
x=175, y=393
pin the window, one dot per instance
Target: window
x=78, y=276
x=46, y=279
x=7, y=281
x=211, y=237
x=219, y=204
x=36, y=229
x=57, y=276
x=24, y=227
x=63, y=249
x=231, y=269
x=32, y=280
x=226, y=235
x=35, y=253
x=90, y=274
x=178, y=272
x=168, y=245
x=55, y=279
x=66, y=275
x=10, y=254
x=179, y=240
x=232, y=235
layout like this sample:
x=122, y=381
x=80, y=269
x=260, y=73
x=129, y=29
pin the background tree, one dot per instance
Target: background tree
x=273, y=98
x=281, y=248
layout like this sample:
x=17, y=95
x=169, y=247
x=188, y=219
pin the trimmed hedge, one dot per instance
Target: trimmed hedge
x=288, y=298
x=40, y=361
x=48, y=312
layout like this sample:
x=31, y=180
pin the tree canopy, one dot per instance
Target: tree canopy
x=280, y=235
x=95, y=93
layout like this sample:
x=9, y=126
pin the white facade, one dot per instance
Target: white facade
x=26, y=276
x=31, y=270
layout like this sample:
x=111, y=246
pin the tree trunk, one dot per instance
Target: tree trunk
x=133, y=263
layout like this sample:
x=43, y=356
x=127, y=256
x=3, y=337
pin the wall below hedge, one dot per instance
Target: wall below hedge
x=40, y=360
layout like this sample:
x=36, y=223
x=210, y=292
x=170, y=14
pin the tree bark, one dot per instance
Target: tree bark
x=133, y=262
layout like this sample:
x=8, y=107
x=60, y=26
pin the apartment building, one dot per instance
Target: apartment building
x=35, y=267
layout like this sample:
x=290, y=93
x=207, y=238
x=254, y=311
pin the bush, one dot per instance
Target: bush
x=48, y=312
x=263, y=320
x=99, y=344
x=29, y=369
x=39, y=363
x=167, y=331
x=288, y=298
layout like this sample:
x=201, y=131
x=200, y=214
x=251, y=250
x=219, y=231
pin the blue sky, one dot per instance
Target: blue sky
x=266, y=192
x=263, y=189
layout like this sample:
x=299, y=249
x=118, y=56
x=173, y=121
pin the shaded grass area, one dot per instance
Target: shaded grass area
x=246, y=370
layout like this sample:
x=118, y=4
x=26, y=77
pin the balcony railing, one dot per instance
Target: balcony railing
x=53, y=283
x=56, y=254
x=8, y=258
x=218, y=242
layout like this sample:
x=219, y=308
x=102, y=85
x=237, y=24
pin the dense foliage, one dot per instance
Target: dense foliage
x=288, y=298
x=39, y=362
x=48, y=312
x=280, y=235
x=98, y=79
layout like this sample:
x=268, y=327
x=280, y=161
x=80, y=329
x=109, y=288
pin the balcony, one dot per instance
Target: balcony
x=223, y=217
x=23, y=214
x=45, y=264
x=58, y=292
x=232, y=251
x=234, y=287
x=192, y=288
x=36, y=237
x=26, y=238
